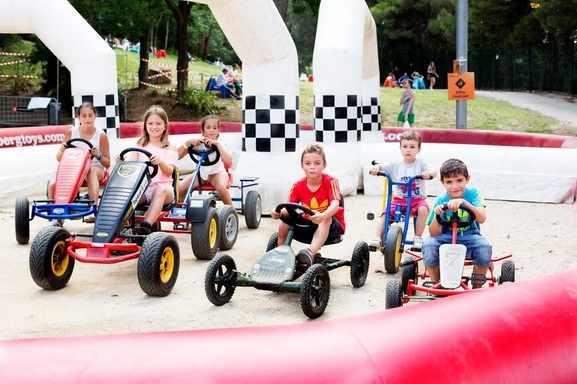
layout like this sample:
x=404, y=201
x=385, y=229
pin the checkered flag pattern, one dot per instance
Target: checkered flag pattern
x=107, y=110
x=371, y=115
x=337, y=118
x=270, y=123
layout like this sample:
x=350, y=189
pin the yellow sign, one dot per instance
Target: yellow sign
x=461, y=86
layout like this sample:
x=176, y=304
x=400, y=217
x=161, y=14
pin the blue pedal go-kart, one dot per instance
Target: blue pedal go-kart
x=278, y=270
x=452, y=261
x=54, y=250
x=394, y=239
x=67, y=203
x=211, y=227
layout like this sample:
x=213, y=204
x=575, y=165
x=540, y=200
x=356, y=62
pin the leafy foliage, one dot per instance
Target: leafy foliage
x=199, y=102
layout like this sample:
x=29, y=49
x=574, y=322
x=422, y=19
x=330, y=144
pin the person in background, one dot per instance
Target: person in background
x=236, y=80
x=408, y=97
x=223, y=80
x=432, y=75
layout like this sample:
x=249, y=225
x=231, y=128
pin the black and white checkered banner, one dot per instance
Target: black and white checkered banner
x=106, y=106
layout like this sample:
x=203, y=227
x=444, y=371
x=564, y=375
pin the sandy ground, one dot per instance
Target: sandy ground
x=107, y=299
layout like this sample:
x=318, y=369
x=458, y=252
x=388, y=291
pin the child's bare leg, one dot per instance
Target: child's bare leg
x=95, y=174
x=283, y=229
x=434, y=273
x=183, y=187
x=320, y=236
x=380, y=227
x=219, y=182
x=162, y=195
x=51, y=185
x=422, y=213
x=480, y=270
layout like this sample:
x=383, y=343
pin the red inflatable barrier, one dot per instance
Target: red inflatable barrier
x=523, y=332
x=53, y=134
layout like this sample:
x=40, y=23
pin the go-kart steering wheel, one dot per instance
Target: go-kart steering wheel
x=455, y=218
x=291, y=209
x=145, y=152
x=80, y=139
x=196, y=154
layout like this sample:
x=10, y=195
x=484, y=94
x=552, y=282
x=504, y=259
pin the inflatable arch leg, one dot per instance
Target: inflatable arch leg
x=345, y=62
x=65, y=33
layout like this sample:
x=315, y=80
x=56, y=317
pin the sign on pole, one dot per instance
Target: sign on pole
x=461, y=86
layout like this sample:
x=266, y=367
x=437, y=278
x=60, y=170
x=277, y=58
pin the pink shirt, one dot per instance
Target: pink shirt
x=167, y=155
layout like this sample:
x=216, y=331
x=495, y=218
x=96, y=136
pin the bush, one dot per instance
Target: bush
x=199, y=102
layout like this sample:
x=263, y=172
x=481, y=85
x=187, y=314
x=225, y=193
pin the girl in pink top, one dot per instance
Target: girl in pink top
x=154, y=139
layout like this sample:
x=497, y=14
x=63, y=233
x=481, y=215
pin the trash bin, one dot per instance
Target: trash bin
x=53, y=113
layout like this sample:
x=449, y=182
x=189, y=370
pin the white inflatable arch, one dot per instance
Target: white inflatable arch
x=91, y=62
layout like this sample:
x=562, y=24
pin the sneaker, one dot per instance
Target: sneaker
x=305, y=256
x=143, y=228
x=56, y=223
x=417, y=242
x=375, y=243
x=90, y=218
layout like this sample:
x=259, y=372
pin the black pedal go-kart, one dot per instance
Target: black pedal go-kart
x=210, y=226
x=278, y=270
x=67, y=203
x=54, y=250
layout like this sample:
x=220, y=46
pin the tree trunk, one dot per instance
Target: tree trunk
x=282, y=6
x=143, y=67
x=181, y=12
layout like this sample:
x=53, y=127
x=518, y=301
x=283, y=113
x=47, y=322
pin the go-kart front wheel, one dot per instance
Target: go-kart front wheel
x=360, y=264
x=507, y=272
x=410, y=271
x=393, y=249
x=220, y=279
x=252, y=209
x=158, y=264
x=394, y=294
x=50, y=265
x=204, y=237
x=228, y=223
x=315, y=291
x=22, y=220
x=272, y=242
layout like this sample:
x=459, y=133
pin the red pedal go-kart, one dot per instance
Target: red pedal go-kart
x=210, y=227
x=452, y=260
x=54, y=250
x=277, y=270
x=67, y=203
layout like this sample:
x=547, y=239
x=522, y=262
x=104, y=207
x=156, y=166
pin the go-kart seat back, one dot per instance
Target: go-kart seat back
x=127, y=183
x=72, y=169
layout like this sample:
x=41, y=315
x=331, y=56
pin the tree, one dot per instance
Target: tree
x=181, y=12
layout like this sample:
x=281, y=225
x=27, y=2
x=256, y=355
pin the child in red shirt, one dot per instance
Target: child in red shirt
x=320, y=193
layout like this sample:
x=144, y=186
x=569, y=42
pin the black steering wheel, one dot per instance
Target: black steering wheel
x=69, y=144
x=456, y=219
x=145, y=152
x=291, y=209
x=196, y=154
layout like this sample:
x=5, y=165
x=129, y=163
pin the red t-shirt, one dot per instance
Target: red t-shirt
x=320, y=199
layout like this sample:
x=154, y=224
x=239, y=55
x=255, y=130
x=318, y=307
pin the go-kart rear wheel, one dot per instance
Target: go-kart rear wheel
x=507, y=272
x=22, y=220
x=272, y=242
x=393, y=251
x=158, y=264
x=252, y=209
x=410, y=271
x=204, y=237
x=394, y=294
x=50, y=265
x=220, y=279
x=228, y=223
x=360, y=264
x=315, y=291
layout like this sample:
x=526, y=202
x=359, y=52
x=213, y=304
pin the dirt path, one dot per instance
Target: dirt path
x=107, y=299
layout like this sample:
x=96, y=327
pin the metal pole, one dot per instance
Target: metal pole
x=462, y=48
